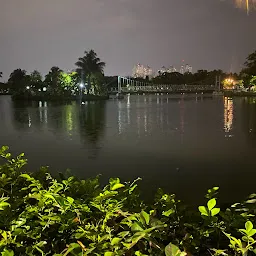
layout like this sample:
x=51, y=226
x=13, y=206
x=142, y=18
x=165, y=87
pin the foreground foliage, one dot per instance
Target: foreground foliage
x=41, y=215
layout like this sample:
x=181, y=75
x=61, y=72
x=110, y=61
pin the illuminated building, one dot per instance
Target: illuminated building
x=188, y=68
x=171, y=69
x=142, y=72
x=138, y=71
x=182, y=69
x=148, y=72
x=162, y=70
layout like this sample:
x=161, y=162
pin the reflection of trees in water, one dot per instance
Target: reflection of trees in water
x=92, y=124
x=249, y=116
x=87, y=121
x=92, y=120
x=37, y=115
x=22, y=116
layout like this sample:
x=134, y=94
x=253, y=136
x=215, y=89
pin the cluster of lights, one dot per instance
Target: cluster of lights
x=44, y=89
x=141, y=71
x=81, y=85
x=230, y=80
x=171, y=69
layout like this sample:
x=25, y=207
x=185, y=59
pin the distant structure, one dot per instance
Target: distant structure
x=140, y=71
x=185, y=69
x=163, y=70
x=182, y=69
x=188, y=68
x=171, y=69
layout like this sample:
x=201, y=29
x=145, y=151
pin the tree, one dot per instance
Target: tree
x=252, y=84
x=98, y=84
x=18, y=81
x=89, y=65
x=251, y=64
x=69, y=82
x=1, y=74
x=169, y=78
x=36, y=80
x=52, y=80
x=250, y=68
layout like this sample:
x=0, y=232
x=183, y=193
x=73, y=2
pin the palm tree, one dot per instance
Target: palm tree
x=89, y=65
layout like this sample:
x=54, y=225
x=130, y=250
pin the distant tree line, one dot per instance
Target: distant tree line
x=205, y=77
x=88, y=77
x=202, y=77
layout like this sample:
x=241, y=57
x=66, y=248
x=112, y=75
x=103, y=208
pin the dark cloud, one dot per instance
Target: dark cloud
x=36, y=34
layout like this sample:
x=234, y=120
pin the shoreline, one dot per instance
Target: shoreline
x=59, y=98
x=239, y=94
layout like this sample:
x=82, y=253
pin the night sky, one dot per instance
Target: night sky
x=207, y=34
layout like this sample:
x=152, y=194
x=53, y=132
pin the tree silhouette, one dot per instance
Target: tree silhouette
x=18, y=81
x=52, y=80
x=88, y=65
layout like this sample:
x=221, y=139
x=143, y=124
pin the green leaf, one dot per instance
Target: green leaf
x=71, y=247
x=251, y=232
x=3, y=205
x=215, y=211
x=248, y=226
x=109, y=254
x=138, y=253
x=41, y=243
x=7, y=252
x=168, y=213
x=136, y=227
x=203, y=210
x=211, y=203
x=172, y=250
x=70, y=200
x=117, y=186
x=127, y=245
x=251, y=201
x=25, y=176
x=115, y=240
x=123, y=234
x=145, y=217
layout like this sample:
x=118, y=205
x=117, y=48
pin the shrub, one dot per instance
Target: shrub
x=43, y=215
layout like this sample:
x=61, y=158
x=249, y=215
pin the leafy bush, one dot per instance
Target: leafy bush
x=43, y=215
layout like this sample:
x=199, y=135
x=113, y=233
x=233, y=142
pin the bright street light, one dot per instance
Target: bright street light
x=44, y=89
x=81, y=85
x=28, y=87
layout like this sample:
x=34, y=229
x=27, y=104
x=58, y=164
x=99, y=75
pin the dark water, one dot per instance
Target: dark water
x=184, y=144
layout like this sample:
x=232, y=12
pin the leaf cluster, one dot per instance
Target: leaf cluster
x=45, y=215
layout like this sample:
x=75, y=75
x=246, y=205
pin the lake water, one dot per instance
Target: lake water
x=184, y=143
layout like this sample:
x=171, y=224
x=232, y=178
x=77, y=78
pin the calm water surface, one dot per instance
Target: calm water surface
x=184, y=144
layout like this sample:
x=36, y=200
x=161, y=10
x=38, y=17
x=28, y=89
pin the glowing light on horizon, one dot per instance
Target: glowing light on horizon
x=246, y=4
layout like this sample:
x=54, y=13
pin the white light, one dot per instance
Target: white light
x=27, y=87
x=81, y=85
x=44, y=89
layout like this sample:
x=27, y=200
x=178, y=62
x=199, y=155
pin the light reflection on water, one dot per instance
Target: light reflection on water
x=228, y=114
x=176, y=142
